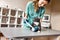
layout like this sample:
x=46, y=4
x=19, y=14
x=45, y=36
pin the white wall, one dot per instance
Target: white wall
x=48, y=8
x=15, y=3
x=55, y=15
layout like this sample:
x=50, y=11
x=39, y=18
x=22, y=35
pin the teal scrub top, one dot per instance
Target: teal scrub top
x=31, y=14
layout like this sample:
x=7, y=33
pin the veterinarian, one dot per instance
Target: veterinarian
x=35, y=9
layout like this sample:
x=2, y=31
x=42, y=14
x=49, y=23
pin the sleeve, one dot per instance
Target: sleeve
x=42, y=13
x=27, y=8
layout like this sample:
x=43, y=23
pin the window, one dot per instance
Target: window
x=46, y=18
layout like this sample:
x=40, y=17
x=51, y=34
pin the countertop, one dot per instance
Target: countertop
x=22, y=33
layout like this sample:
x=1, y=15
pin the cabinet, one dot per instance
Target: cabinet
x=10, y=17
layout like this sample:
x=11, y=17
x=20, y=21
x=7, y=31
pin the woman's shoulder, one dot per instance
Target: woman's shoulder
x=30, y=3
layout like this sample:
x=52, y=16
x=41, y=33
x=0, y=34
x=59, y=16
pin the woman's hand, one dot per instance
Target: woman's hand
x=25, y=16
x=40, y=20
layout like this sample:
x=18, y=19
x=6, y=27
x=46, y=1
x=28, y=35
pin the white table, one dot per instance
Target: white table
x=25, y=33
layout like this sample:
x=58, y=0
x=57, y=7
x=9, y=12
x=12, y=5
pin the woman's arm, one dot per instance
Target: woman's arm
x=40, y=20
x=25, y=16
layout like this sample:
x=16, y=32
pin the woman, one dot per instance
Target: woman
x=35, y=9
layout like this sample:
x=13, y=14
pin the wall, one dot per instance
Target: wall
x=48, y=8
x=55, y=15
x=14, y=3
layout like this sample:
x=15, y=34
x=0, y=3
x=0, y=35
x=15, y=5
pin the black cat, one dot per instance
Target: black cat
x=35, y=25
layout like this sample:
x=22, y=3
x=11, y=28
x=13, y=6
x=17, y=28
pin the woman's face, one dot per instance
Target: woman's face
x=42, y=3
